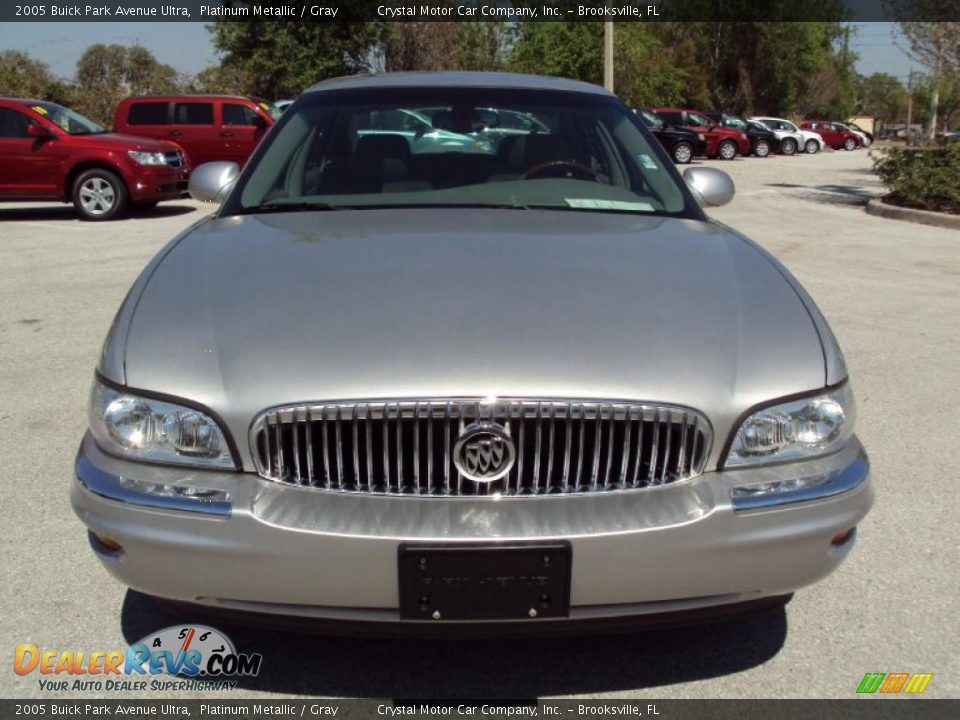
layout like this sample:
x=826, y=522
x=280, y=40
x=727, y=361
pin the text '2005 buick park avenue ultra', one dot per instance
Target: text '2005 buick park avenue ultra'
x=521, y=379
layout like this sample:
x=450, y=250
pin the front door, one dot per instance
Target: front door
x=29, y=166
x=241, y=128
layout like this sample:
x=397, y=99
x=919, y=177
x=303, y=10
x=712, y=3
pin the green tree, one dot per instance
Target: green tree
x=22, y=76
x=226, y=79
x=106, y=74
x=420, y=46
x=644, y=73
x=765, y=66
x=281, y=59
x=483, y=45
x=934, y=43
x=947, y=89
x=882, y=96
x=566, y=49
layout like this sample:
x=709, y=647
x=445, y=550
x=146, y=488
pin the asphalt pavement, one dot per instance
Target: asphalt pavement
x=891, y=291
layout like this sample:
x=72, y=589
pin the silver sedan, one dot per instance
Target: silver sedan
x=532, y=384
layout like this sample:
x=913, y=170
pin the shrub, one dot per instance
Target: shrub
x=927, y=178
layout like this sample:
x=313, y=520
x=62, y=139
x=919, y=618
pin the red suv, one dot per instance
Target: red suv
x=834, y=134
x=722, y=142
x=48, y=152
x=208, y=127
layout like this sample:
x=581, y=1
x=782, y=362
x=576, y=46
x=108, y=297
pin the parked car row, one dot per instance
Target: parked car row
x=687, y=133
x=49, y=152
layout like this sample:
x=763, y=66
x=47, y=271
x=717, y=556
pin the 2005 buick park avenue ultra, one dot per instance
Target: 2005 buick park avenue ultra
x=464, y=348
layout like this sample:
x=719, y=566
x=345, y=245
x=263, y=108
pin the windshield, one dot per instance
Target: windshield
x=698, y=119
x=734, y=122
x=456, y=148
x=65, y=118
x=270, y=109
x=649, y=119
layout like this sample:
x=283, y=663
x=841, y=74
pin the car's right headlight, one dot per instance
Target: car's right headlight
x=795, y=430
x=147, y=158
x=143, y=428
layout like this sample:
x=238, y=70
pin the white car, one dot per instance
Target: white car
x=811, y=142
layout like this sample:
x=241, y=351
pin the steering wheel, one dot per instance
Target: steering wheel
x=555, y=168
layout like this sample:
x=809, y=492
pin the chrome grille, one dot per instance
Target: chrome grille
x=174, y=158
x=406, y=447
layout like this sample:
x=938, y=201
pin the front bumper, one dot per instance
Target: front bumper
x=161, y=182
x=302, y=552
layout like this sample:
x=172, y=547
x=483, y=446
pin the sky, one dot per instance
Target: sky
x=187, y=46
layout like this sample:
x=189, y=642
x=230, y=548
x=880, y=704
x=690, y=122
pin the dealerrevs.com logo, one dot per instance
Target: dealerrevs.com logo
x=200, y=657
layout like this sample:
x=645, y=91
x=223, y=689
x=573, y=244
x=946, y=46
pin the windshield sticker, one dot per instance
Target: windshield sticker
x=38, y=109
x=647, y=161
x=593, y=204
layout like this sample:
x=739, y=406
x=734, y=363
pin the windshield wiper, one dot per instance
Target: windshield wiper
x=288, y=207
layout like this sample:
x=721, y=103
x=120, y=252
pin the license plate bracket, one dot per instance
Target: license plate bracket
x=503, y=581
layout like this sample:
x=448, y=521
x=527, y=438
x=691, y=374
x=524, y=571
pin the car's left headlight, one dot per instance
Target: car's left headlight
x=142, y=428
x=147, y=158
x=795, y=430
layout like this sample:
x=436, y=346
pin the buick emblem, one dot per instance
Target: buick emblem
x=484, y=452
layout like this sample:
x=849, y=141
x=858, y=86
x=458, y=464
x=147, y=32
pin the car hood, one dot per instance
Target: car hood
x=248, y=312
x=127, y=142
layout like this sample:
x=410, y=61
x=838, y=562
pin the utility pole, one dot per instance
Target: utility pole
x=935, y=98
x=608, y=55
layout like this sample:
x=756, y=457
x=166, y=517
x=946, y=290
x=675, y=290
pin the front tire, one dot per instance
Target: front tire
x=849, y=144
x=812, y=147
x=727, y=150
x=99, y=194
x=682, y=153
x=761, y=149
x=788, y=146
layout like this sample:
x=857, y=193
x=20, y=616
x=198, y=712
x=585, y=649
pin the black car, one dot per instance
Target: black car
x=682, y=144
x=763, y=141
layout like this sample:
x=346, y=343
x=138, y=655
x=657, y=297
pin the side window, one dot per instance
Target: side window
x=148, y=113
x=237, y=114
x=193, y=113
x=13, y=124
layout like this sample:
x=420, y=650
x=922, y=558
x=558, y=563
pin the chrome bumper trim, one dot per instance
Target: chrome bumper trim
x=113, y=487
x=820, y=488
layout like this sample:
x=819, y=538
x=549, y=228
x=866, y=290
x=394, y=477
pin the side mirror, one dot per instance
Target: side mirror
x=259, y=122
x=710, y=186
x=213, y=181
x=39, y=132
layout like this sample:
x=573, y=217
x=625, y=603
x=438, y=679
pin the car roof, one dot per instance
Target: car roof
x=155, y=98
x=25, y=101
x=458, y=79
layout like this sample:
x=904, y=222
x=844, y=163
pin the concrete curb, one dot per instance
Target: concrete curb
x=923, y=217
